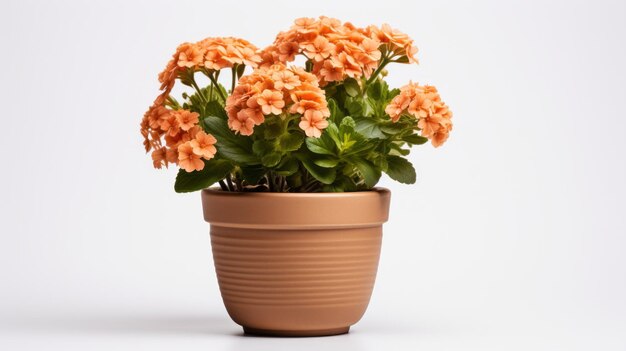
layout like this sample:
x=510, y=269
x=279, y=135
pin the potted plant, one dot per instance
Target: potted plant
x=296, y=223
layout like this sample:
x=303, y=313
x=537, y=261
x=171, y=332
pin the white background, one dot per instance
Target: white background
x=512, y=239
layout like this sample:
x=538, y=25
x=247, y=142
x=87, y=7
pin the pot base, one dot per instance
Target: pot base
x=296, y=333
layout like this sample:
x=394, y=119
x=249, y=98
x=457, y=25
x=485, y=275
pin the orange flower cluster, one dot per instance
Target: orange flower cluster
x=275, y=90
x=337, y=50
x=395, y=41
x=186, y=144
x=210, y=53
x=423, y=103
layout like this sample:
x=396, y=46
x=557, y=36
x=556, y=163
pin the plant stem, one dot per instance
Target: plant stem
x=217, y=86
x=270, y=182
x=230, y=184
x=383, y=63
x=233, y=79
x=239, y=183
x=308, y=65
x=197, y=88
x=281, y=181
x=223, y=185
x=309, y=187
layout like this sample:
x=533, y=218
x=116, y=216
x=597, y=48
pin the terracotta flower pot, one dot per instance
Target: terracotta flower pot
x=296, y=264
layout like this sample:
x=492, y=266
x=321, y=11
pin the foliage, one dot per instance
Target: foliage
x=359, y=131
x=359, y=144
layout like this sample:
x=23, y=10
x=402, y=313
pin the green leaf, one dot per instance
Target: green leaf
x=324, y=175
x=213, y=108
x=326, y=162
x=262, y=147
x=291, y=142
x=355, y=106
x=271, y=159
x=375, y=90
x=358, y=146
x=287, y=167
x=347, y=125
x=213, y=171
x=331, y=135
x=369, y=128
x=352, y=87
x=322, y=145
x=380, y=161
x=273, y=129
x=401, y=170
x=415, y=139
x=370, y=173
x=236, y=148
x=398, y=150
x=335, y=112
x=393, y=93
x=369, y=107
x=341, y=184
x=392, y=128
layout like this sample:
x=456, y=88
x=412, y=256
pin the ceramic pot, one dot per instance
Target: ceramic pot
x=296, y=264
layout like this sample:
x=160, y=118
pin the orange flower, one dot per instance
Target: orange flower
x=249, y=56
x=159, y=118
x=305, y=25
x=189, y=55
x=312, y=123
x=423, y=99
x=331, y=70
x=187, y=159
x=370, y=56
x=318, y=49
x=352, y=52
x=204, y=145
x=398, y=105
x=287, y=51
x=171, y=155
x=158, y=157
x=285, y=80
x=186, y=119
x=180, y=127
x=397, y=42
x=308, y=97
x=350, y=66
x=429, y=125
x=227, y=51
x=214, y=59
x=253, y=114
x=440, y=137
x=171, y=125
x=175, y=127
x=274, y=90
x=423, y=103
x=241, y=124
x=271, y=102
x=370, y=49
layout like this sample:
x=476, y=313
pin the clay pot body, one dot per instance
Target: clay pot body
x=296, y=264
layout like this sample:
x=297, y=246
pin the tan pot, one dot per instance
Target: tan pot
x=296, y=264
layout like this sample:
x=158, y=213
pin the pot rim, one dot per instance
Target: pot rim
x=373, y=191
x=266, y=210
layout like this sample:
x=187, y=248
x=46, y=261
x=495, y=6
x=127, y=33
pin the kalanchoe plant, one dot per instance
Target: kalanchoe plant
x=333, y=125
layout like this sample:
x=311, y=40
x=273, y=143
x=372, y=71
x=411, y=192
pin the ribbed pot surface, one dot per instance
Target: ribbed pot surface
x=281, y=277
